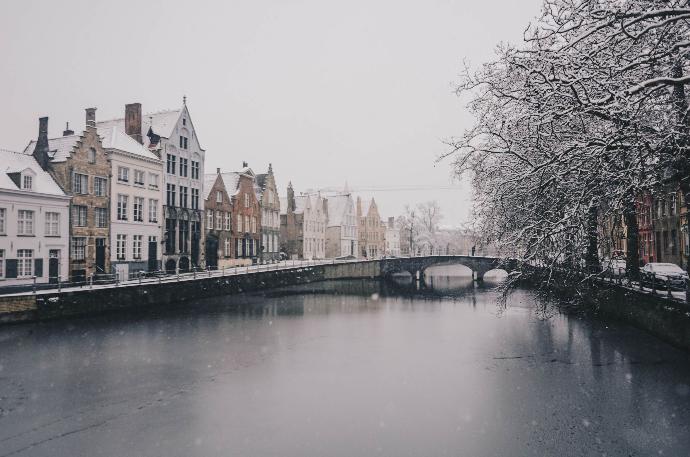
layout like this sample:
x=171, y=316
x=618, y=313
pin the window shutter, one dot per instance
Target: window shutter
x=11, y=268
x=38, y=268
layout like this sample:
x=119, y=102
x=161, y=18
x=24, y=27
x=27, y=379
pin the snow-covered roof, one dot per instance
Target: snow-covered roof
x=112, y=137
x=337, y=209
x=231, y=181
x=17, y=162
x=209, y=181
x=58, y=148
x=162, y=123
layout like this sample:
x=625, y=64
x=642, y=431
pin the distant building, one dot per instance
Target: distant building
x=303, y=226
x=218, y=225
x=267, y=193
x=246, y=215
x=81, y=167
x=392, y=238
x=135, y=201
x=34, y=222
x=341, y=229
x=372, y=232
x=171, y=135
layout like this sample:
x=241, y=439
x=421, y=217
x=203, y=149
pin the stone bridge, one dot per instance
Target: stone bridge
x=416, y=265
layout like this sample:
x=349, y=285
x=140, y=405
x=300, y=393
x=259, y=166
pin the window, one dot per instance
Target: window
x=170, y=236
x=2, y=263
x=79, y=248
x=253, y=225
x=153, y=239
x=80, y=184
x=171, y=195
x=25, y=222
x=139, y=209
x=183, y=167
x=138, y=178
x=153, y=180
x=226, y=248
x=136, y=246
x=25, y=263
x=219, y=221
x=123, y=174
x=99, y=186
x=92, y=155
x=122, y=207
x=219, y=197
x=171, y=164
x=121, y=246
x=227, y=221
x=183, y=142
x=184, y=121
x=52, y=224
x=195, y=169
x=209, y=219
x=153, y=210
x=101, y=216
x=239, y=223
x=672, y=205
x=3, y=223
x=246, y=200
x=247, y=225
x=28, y=182
x=79, y=214
x=195, y=198
x=183, y=196
x=184, y=235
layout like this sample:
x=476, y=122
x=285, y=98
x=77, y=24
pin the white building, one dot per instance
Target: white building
x=171, y=135
x=136, y=204
x=341, y=231
x=314, y=209
x=34, y=223
x=392, y=238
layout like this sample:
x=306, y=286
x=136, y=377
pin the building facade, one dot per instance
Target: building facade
x=218, y=225
x=34, y=223
x=171, y=136
x=392, y=237
x=81, y=167
x=267, y=193
x=246, y=215
x=342, y=238
x=372, y=232
x=136, y=204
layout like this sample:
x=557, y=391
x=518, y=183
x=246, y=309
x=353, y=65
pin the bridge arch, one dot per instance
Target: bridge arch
x=416, y=266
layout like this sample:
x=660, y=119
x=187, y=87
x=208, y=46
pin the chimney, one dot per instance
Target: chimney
x=133, y=121
x=218, y=171
x=41, y=149
x=245, y=164
x=391, y=222
x=67, y=131
x=90, y=117
x=290, y=198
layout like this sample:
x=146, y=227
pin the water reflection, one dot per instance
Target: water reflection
x=342, y=368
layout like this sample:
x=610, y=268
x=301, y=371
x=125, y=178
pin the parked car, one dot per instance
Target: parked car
x=613, y=267
x=662, y=273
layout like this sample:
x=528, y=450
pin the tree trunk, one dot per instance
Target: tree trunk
x=632, y=261
x=592, y=257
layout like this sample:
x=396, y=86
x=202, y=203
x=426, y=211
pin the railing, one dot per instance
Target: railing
x=108, y=280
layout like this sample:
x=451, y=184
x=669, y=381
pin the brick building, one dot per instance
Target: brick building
x=218, y=227
x=372, y=231
x=267, y=193
x=81, y=167
x=246, y=215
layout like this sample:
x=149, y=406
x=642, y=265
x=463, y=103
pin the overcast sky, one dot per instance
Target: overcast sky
x=329, y=92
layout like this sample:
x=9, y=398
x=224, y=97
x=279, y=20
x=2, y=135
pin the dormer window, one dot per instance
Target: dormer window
x=28, y=182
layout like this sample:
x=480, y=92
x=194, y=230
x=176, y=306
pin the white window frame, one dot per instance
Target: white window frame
x=97, y=219
x=52, y=225
x=122, y=201
x=138, y=214
x=139, y=174
x=27, y=182
x=219, y=220
x=2, y=263
x=3, y=221
x=153, y=210
x=78, y=249
x=121, y=246
x=25, y=263
x=219, y=197
x=137, y=241
x=25, y=222
x=123, y=174
x=153, y=180
x=100, y=190
x=80, y=183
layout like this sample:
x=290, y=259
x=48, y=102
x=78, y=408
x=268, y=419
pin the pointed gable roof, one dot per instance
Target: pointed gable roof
x=114, y=138
x=12, y=162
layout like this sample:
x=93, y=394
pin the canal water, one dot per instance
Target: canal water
x=358, y=368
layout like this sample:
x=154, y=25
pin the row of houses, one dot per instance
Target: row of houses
x=129, y=195
x=662, y=230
